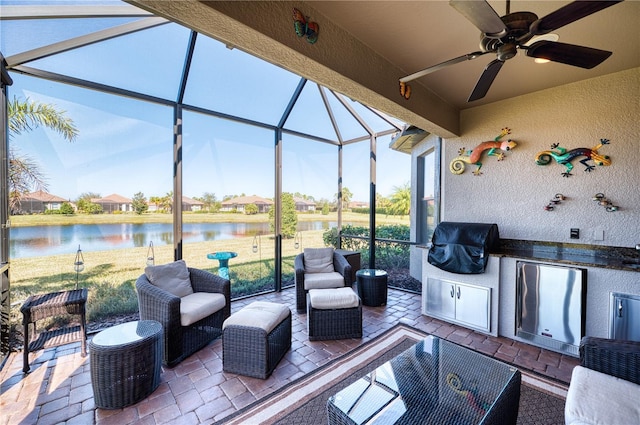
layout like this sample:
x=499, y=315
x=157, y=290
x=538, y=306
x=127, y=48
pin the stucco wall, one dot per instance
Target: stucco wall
x=513, y=192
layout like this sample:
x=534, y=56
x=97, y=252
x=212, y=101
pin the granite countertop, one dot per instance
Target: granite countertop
x=619, y=258
x=609, y=257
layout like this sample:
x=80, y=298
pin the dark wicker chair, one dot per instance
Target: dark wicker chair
x=182, y=341
x=614, y=357
x=340, y=264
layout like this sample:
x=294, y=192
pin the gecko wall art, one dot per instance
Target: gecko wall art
x=564, y=157
x=492, y=148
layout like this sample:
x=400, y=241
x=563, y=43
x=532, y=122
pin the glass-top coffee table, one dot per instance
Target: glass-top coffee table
x=434, y=382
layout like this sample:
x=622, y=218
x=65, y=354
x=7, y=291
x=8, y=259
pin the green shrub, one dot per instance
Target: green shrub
x=251, y=209
x=67, y=209
x=389, y=255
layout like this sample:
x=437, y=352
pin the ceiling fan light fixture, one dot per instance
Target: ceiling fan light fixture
x=522, y=30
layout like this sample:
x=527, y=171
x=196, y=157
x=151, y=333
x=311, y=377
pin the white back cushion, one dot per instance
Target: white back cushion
x=172, y=277
x=318, y=260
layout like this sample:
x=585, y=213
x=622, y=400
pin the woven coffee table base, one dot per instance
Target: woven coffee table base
x=122, y=375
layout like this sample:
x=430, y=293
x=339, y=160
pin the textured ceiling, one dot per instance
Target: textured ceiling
x=417, y=34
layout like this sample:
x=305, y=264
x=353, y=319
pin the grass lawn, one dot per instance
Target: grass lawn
x=110, y=275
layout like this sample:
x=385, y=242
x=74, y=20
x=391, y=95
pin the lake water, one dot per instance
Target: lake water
x=42, y=241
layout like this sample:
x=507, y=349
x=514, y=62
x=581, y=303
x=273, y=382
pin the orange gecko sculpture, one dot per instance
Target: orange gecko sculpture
x=495, y=148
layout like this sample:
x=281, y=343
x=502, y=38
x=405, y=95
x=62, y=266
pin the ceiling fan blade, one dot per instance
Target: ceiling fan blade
x=486, y=79
x=568, y=14
x=439, y=66
x=482, y=15
x=570, y=54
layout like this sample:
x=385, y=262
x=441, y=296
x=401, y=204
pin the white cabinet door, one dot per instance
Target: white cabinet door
x=465, y=304
x=472, y=305
x=441, y=300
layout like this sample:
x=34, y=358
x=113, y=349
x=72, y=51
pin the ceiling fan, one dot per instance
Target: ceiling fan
x=519, y=30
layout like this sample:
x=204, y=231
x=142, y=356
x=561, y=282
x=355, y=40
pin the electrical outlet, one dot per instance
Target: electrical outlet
x=598, y=235
x=575, y=234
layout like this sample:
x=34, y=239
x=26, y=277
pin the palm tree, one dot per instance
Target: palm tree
x=26, y=115
x=401, y=200
x=346, y=197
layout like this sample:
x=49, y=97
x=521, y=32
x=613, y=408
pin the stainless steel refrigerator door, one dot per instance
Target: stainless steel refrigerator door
x=550, y=310
x=625, y=317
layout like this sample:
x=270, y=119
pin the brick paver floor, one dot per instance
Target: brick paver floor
x=58, y=388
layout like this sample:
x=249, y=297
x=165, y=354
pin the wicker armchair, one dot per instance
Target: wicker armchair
x=181, y=341
x=613, y=357
x=340, y=266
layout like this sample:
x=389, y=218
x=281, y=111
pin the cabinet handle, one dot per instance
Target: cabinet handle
x=619, y=308
x=452, y=291
x=458, y=292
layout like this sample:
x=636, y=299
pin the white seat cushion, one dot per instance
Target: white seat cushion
x=323, y=280
x=598, y=398
x=199, y=305
x=337, y=298
x=259, y=314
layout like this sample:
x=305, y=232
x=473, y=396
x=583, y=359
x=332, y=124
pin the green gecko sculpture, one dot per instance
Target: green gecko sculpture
x=564, y=157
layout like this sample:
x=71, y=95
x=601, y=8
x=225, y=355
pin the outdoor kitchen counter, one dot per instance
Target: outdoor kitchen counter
x=617, y=258
x=607, y=257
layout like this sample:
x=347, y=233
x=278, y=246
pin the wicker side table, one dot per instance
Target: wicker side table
x=353, y=258
x=126, y=362
x=372, y=287
x=38, y=307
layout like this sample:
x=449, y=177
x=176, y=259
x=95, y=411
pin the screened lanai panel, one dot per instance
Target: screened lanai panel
x=373, y=120
x=122, y=153
x=310, y=177
x=393, y=168
x=235, y=83
x=120, y=147
x=310, y=116
x=355, y=173
x=148, y=62
x=21, y=35
x=349, y=126
x=228, y=170
x=309, y=167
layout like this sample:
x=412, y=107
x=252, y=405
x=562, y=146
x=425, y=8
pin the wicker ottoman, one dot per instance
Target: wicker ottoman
x=125, y=363
x=255, y=339
x=334, y=314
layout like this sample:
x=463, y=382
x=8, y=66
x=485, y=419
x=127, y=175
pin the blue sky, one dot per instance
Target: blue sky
x=125, y=145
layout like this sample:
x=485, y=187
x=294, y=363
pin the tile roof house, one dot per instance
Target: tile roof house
x=39, y=202
x=114, y=202
x=238, y=203
x=190, y=204
x=304, y=205
x=358, y=204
